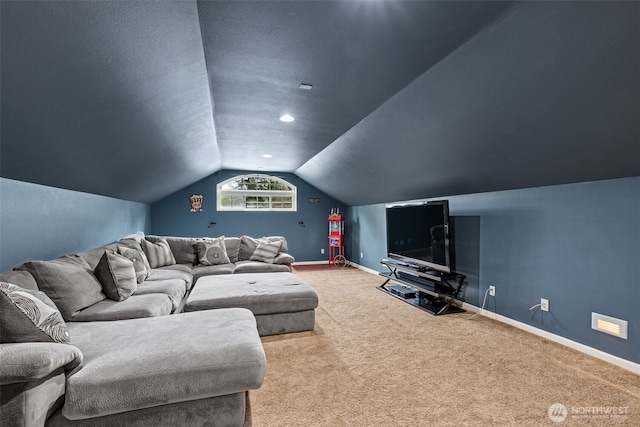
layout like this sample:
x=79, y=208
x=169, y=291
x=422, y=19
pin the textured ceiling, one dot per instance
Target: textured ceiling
x=548, y=94
x=410, y=99
x=356, y=54
x=109, y=98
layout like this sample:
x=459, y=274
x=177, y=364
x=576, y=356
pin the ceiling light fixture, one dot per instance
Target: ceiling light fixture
x=305, y=86
x=286, y=118
x=267, y=156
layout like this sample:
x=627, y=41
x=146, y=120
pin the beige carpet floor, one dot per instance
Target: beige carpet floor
x=374, y=360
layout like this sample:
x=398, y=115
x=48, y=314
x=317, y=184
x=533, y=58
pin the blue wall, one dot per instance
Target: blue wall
x=172, y=217
x=577, y=245
x=40, y=222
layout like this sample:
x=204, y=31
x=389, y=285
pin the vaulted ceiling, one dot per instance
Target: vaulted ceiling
x=409, y=99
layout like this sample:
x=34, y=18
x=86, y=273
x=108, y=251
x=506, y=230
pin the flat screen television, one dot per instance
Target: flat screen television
x=421, y=235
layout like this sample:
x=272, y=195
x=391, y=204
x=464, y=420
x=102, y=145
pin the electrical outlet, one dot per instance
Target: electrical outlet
x=361, y=254
x=544, y=304
x=492, y=291
x=322, y=251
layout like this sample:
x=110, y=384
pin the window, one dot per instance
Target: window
x=256, y=193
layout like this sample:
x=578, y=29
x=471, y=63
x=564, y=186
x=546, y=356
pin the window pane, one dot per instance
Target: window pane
x=256, y=202
x=232, y=201
x=280, y=202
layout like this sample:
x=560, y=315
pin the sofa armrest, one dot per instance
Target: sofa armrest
x=284, y=258
x=23, y=362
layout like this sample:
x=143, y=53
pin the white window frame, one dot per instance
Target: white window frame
x=268, y=194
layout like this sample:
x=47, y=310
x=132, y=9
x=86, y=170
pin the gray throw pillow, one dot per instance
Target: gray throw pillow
x=266, y=251
x=117, y=275
x=212, y=252
x=159, y=253
x=140, y=263
x=68, y=281
x=248, y=246
x=29, y=316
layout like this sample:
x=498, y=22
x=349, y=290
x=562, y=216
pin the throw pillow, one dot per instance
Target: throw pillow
x=29, y=316
x=282, y=240
x=212, y=252
x=140, y=263
x=232, y=244
x=248, y=246
x=266, y=251
x=159, y=253
x=117, y=275
x=68, y=281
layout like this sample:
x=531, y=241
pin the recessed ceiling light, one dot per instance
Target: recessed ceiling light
x=286, y=118
x=305, y=86
x=267, y=156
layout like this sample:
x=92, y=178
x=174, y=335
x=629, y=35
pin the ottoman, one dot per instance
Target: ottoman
x=280, y=301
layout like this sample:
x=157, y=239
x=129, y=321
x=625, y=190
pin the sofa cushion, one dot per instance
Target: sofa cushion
x=233, y=247
x=138, y=236
x=260, y=267
x=29, y=316
x=185, y=268
x=142, y=363
x=139, y=259
x=212, y=252
x=159, y=253
x=228, y=410
x=284, y=258
x=92, y=256
x=68, y=281
x=117, y=276
x=21, y=278
x=208, y=270
x=181, y=248
x=175, y=289
x=266, y=251
x=165, y=273
x=23, y=362
x=137, y=306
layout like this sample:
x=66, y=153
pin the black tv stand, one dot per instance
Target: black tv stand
x=435, y=292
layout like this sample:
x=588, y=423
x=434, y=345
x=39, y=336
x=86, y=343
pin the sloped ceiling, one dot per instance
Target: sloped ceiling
x=109, y=98
x=548, y=94
x=410, y=99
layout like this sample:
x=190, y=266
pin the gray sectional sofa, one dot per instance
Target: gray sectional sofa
x=100, y=338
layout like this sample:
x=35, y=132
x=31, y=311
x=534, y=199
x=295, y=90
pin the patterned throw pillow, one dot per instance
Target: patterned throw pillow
x=117, y=275
x=266, y=251
x=212, y=252
x=140, y=263
x=29, y=316
x=159, y=253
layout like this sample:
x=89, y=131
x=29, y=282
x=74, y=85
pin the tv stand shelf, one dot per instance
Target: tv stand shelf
x=433, y=292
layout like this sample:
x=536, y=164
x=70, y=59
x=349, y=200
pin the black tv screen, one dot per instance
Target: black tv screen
x=421, y=235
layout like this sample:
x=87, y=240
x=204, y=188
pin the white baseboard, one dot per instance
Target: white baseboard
x=363, y=268
x=599, y=354
x=310, y=262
